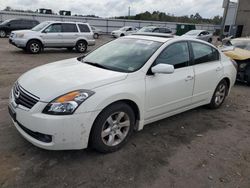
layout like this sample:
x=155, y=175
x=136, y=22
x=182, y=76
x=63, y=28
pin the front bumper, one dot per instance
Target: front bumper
x=18, y=42
x=52, y=132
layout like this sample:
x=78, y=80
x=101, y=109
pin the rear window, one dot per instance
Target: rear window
x=83, y=28
x=69, y=28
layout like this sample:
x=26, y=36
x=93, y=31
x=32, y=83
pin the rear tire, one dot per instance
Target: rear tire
x=122, y=35
x=81, y=46
x=219, y=95
x=112, y=128
x=34, y=47
x=3, y=34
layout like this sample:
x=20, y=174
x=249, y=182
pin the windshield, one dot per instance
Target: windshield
x=147, y=29
x=243, y=44
x=5, y=22
x=123, y=55
x=193, y=32
x=40, y=26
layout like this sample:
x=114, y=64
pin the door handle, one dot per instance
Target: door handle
x=189, y=78
x=218, y=69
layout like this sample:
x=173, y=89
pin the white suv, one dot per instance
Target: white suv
x=99, y=99
x=54, y=34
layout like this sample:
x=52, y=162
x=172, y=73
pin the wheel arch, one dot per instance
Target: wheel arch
x=36, y=39
x=81, y=39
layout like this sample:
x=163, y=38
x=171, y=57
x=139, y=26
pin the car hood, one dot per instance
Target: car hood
x=52, y=80
x=190, y=36
x=117, y=31
x=237, y=54
x=23, y=31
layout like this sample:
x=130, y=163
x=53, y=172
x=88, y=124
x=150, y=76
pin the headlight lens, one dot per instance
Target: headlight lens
x=19, y=35
x=68, y=103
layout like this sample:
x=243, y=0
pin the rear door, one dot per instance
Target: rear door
x=70, y=34
x=52, y=35
x=208, y=71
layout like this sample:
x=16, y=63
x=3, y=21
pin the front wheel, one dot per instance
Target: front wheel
x=219, y=96
x=112, y=128
x=34, y=47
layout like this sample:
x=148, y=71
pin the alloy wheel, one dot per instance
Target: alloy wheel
x=220, y=94
x=115, y=129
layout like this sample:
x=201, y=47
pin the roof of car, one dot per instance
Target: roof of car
x=66, y=22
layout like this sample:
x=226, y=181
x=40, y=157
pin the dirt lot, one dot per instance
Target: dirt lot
x=198, y=148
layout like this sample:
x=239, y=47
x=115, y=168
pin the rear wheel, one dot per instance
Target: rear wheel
x=81, y=46
x=112, y=128
x=122, y=35
x=34, y=46
x=220, y=94
x=3, y=34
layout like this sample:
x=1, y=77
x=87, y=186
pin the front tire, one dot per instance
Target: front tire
x=81, y=46
x=112, y=128
x=34, y=47
x=3, y=34
x=219, y=95
x=122, y=35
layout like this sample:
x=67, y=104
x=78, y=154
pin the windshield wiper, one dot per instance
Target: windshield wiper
x=96, y=65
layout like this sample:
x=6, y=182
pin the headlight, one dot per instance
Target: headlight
x=19, y=35
x=68, y=103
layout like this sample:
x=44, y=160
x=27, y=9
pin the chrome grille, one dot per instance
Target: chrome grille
x=23, y=97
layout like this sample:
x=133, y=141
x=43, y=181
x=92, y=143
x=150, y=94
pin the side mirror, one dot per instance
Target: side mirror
x=163, y=69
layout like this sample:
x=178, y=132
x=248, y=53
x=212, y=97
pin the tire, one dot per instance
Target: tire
x=219, y=95
x=3, y=34
x=210, y=40
x=34, y=47
x=108, y=134
x=81, y=46
x=122, y=35
x=96, y=36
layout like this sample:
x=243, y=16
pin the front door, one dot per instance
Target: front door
x=52, y=35
x=166, y=93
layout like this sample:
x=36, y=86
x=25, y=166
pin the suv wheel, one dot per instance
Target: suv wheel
x=219, y=96
x=122, y=35
x=96, y=36
x=81, y=46
x=34, y=47
x=112, y=128
x=2, y=33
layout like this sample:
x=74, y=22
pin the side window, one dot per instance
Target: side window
x=162, y=30
x=176, y=54
x=69, y=28
x=204, y=53
x=54, y=28
x=156, y=30
x=83, y=28
x=14, y=23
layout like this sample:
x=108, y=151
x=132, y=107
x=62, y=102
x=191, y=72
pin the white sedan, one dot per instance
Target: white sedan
x=199, y=34
x=98, y=100
x=124, y=31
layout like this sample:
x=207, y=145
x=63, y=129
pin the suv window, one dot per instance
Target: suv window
x=54, y=28
x=176, y=54
x=84, y=28
x=15, y=23
x=69, y=28
x=162, y=30
x=204, y=53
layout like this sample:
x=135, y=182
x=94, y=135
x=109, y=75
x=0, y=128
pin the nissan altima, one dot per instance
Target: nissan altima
x=100, y=99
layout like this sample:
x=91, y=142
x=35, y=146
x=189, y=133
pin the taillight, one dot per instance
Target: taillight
x=234, y=64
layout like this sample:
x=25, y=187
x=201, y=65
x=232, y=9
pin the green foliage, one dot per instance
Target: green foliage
x=162, y=16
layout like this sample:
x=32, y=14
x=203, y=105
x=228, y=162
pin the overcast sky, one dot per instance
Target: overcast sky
x=110, y=8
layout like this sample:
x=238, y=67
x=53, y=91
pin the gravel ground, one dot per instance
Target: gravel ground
x=198, y=148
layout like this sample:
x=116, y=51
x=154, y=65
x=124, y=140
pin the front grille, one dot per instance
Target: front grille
x=23, y=97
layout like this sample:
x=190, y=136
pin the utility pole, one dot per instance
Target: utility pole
x=225, y=6
x=129, y=11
